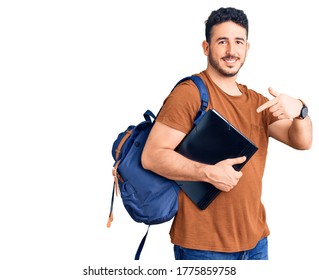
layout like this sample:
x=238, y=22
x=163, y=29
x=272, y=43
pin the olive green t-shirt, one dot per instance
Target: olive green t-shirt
x=235, y=220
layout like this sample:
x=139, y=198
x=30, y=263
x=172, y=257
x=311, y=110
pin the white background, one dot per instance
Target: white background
x=73, y=74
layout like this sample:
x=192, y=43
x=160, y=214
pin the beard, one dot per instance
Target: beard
x=226, y=72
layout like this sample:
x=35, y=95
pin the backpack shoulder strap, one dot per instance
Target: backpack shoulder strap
x=204, y=96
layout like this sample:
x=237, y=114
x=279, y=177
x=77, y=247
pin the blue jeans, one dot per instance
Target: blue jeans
x=260, y=252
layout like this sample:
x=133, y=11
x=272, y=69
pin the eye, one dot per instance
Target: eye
x=239, y=42
x=222, y=42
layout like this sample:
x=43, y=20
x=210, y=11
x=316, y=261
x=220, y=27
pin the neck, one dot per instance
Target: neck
x=227, y=84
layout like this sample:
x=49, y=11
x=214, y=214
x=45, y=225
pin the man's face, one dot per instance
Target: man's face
x=227, y=49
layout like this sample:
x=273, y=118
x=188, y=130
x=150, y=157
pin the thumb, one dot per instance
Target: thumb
x=237, y=160
x=273, y=92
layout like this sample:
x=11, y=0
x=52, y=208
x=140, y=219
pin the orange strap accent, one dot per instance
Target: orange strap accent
x=115, y=175
x=114, y=171
x=110, y=220
x=119, y=147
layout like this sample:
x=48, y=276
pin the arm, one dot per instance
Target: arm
x=159, y=156
x=296, y=133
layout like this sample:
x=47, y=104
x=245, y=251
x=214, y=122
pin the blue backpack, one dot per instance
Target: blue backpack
x=148, y=197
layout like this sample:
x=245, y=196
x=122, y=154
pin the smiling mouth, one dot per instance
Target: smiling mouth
x=230, y=59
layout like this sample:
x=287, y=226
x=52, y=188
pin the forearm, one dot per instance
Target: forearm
x=300, y=134
x=172, y=165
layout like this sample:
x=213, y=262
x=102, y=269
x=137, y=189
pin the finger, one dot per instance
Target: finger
x=273, y=92
x=237, y=160
x=239, y=174
x=274, y=108
x=266, y=105
x=270, y=102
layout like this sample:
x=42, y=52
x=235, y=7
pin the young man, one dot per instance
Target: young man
x=234, y=225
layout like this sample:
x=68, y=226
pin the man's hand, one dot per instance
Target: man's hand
x=282, y=106
x=223, y=176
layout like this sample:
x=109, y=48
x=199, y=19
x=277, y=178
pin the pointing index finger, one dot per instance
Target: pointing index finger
x=266, y=105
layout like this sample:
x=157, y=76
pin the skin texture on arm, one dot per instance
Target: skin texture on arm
x=159, y=156
x=294, y=133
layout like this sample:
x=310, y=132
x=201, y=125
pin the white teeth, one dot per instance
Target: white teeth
x=232, y=60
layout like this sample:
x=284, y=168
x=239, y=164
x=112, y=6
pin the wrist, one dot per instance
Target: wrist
x=303, y=111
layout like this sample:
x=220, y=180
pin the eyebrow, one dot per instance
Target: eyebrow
x=226, y=38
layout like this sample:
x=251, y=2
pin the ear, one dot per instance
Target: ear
x=205, y=46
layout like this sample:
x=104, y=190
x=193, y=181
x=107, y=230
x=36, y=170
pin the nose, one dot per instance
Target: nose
x=231, y=48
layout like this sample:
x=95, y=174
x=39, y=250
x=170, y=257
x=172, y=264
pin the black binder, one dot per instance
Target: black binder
x=212, y=140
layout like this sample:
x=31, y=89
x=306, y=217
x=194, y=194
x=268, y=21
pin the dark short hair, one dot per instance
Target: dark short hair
x=225, y=14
